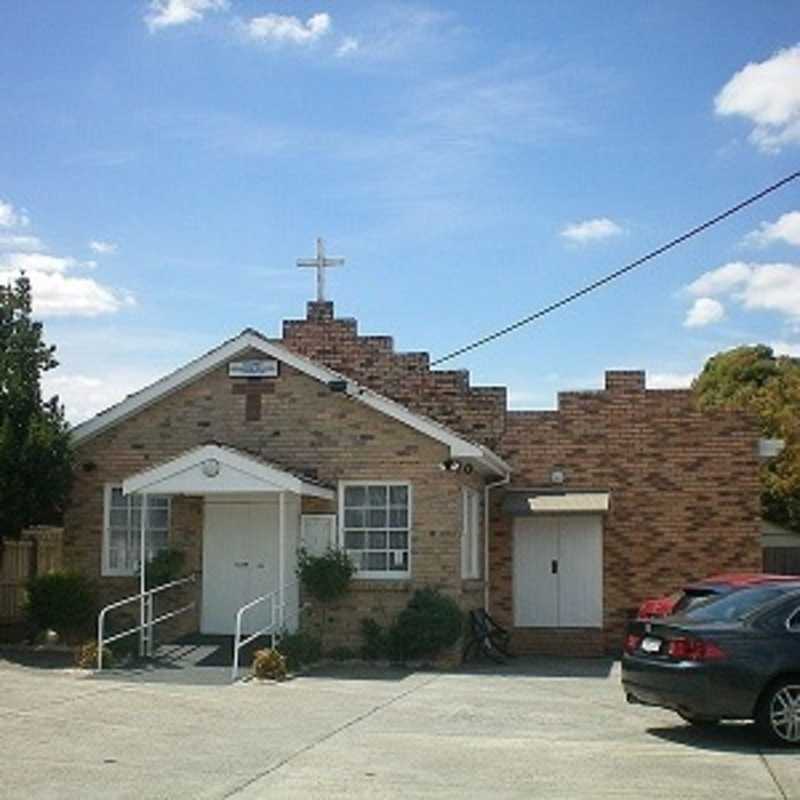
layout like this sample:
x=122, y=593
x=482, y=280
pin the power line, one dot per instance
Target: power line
x=622, y=270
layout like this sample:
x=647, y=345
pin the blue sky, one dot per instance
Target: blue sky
x=163, y=164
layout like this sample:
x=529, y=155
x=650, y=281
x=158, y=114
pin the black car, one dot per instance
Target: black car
x=732, y=657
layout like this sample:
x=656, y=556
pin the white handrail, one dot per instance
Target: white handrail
x=277, y=621
x=146, y=622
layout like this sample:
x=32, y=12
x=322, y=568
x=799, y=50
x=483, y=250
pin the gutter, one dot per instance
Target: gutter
x=486, y=489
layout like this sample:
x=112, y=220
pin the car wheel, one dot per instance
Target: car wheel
x=697, y=721
x=779, y=712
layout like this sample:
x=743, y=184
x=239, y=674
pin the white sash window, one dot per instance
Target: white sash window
x=123, y=526
x=376, y=527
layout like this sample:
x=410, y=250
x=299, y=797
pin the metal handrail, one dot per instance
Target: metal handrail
x=239, y=643
x=147, y=623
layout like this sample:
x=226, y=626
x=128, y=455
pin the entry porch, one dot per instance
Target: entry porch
x=247, y=544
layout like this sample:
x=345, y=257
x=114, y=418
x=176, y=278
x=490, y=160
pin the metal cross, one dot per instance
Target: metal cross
x=321, y=262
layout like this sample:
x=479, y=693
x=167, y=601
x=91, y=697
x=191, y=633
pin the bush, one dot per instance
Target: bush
x=430, y=623
x=269, y=664
x=86, y=656
x=341, y=653
x=326, y=577
x=62, y=601
x=376, y=640
x=164, y=567
x=299, y=649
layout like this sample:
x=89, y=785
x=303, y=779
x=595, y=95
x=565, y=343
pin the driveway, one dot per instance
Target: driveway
x=541, y=728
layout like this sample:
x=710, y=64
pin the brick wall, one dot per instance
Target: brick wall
x=302, y=426
x=684, y=493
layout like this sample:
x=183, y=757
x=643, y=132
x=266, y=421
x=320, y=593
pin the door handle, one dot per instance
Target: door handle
x=554, y=567
x=241, y=563
x=260, y=566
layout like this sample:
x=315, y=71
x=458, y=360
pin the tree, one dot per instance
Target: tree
x=35, y=468
x=754, y=379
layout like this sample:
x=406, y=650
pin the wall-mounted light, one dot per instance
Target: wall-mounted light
x=557, y=476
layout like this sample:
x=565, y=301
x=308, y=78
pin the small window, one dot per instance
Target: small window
x=470, y=533
x=317, y=533
x=123, y=525
x=376, y=528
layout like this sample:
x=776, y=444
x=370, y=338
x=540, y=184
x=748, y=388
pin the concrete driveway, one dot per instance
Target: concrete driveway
x=541, y=728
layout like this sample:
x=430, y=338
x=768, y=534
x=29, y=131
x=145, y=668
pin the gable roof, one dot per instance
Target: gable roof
x=249, y=339
x=233, y=471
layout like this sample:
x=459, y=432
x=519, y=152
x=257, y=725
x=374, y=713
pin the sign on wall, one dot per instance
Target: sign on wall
x=253, y=368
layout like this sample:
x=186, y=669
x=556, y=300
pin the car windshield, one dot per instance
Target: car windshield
x=733, y=606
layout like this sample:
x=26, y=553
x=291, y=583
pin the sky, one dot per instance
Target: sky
x=164, y=163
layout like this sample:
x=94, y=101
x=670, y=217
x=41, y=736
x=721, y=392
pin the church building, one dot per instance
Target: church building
x=558, y=522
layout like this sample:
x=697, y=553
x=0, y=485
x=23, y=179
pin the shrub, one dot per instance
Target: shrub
x=62, y=601
x=299, y=649
x=326, y=577
x=430, y=623
x=164, y=567
x=86, y=656
x=269, y=664
x=376, y=640
x=341, y=653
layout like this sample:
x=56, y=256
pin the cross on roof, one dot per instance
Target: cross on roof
x=321, y=262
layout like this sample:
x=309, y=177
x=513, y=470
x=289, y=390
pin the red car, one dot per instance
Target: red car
x=694, y=593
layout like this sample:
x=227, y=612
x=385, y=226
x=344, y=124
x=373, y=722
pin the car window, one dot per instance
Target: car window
x=733, y=606
x=692, y=598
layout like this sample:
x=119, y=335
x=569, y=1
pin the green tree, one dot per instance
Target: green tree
x=755, y=379
x=35, y=469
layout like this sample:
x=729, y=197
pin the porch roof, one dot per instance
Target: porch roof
x=218, y=469
x=527, y=502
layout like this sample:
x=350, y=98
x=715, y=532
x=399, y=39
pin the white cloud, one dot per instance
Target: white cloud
x=20, y=243
x=349, y=45
x=782, y=348
x=785, y=229
x=279, y=28
x=58, y=293
x=768, y=94
x=103, y=248
x=670, y=380
x=11, y=217
x=761, y=287
x=167, y=13
x=721, y=280
x=591, y=230
x=704, y=311
x=773, y=287
x=85, y=395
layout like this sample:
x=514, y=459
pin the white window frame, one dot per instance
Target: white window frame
x=470, y=533
x=106, y=569
x=306, y=519
x=388, y=575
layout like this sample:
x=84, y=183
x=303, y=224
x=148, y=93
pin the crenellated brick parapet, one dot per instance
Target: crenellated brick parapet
x=444, y=395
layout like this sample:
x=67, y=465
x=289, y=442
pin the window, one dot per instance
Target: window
x=376, y=519
x=123, y=524
x=470, y=533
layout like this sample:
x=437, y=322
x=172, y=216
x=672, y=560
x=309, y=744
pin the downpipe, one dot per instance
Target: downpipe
x=486, y=576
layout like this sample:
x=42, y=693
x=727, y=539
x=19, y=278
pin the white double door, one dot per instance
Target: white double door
x=240, y=562
x=558, y=571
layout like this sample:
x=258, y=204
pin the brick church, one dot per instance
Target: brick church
x=559, y=522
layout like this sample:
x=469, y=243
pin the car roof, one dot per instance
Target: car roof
x=741, y=579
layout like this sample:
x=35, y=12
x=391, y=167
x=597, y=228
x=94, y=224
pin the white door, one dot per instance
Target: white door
x=580, y=571
x=535, y=584
x=240, y=563
x=558, y=571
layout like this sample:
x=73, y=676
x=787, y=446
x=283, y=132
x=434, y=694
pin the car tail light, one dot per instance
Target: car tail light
x=686, y=649
x=632, y=642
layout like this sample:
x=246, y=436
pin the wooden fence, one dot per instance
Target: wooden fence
x=37, y=552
